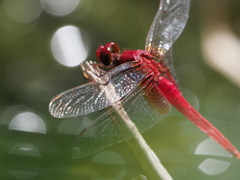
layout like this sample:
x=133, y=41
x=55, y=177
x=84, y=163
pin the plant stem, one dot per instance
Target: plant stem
x=144, y=154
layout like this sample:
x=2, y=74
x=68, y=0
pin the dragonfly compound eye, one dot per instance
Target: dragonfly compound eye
x=105, y=53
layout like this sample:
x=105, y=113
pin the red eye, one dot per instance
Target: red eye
x=104, y=53
x=99, y=51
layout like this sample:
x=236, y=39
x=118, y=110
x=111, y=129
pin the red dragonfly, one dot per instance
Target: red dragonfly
x=143, y=82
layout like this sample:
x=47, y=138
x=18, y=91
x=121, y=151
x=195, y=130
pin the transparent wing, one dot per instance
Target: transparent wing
x=168, y=60
x=144, y=109
x=167, y=25
x=91, y=97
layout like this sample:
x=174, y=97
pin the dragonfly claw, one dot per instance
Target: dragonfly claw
x=92, y=72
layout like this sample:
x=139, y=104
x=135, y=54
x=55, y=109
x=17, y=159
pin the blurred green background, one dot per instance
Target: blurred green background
x=34, y=145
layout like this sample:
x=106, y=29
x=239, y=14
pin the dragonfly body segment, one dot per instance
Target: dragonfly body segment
x=142, y=81
x=159, y=79
x=174, y=96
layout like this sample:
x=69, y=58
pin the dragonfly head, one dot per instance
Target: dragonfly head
x=108, y=54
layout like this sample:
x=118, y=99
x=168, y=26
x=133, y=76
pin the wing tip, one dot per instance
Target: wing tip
x=53, y=107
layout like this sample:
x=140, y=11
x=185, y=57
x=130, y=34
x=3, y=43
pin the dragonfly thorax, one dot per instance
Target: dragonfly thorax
x=109, y=55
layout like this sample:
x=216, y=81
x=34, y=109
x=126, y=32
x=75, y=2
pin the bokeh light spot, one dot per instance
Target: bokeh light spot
x=15, y=27
x=23, y=174
x=25, y=150
x=60, y=7
x=220, y=48
x=22, y=11
x=11, y=112
x=70, y=46
x=210, y=147
x=213, y=166
x=28, y=121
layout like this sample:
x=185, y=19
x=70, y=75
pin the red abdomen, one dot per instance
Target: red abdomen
x=174, y=96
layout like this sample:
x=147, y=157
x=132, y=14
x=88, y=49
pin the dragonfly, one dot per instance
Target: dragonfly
x=144, y=83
